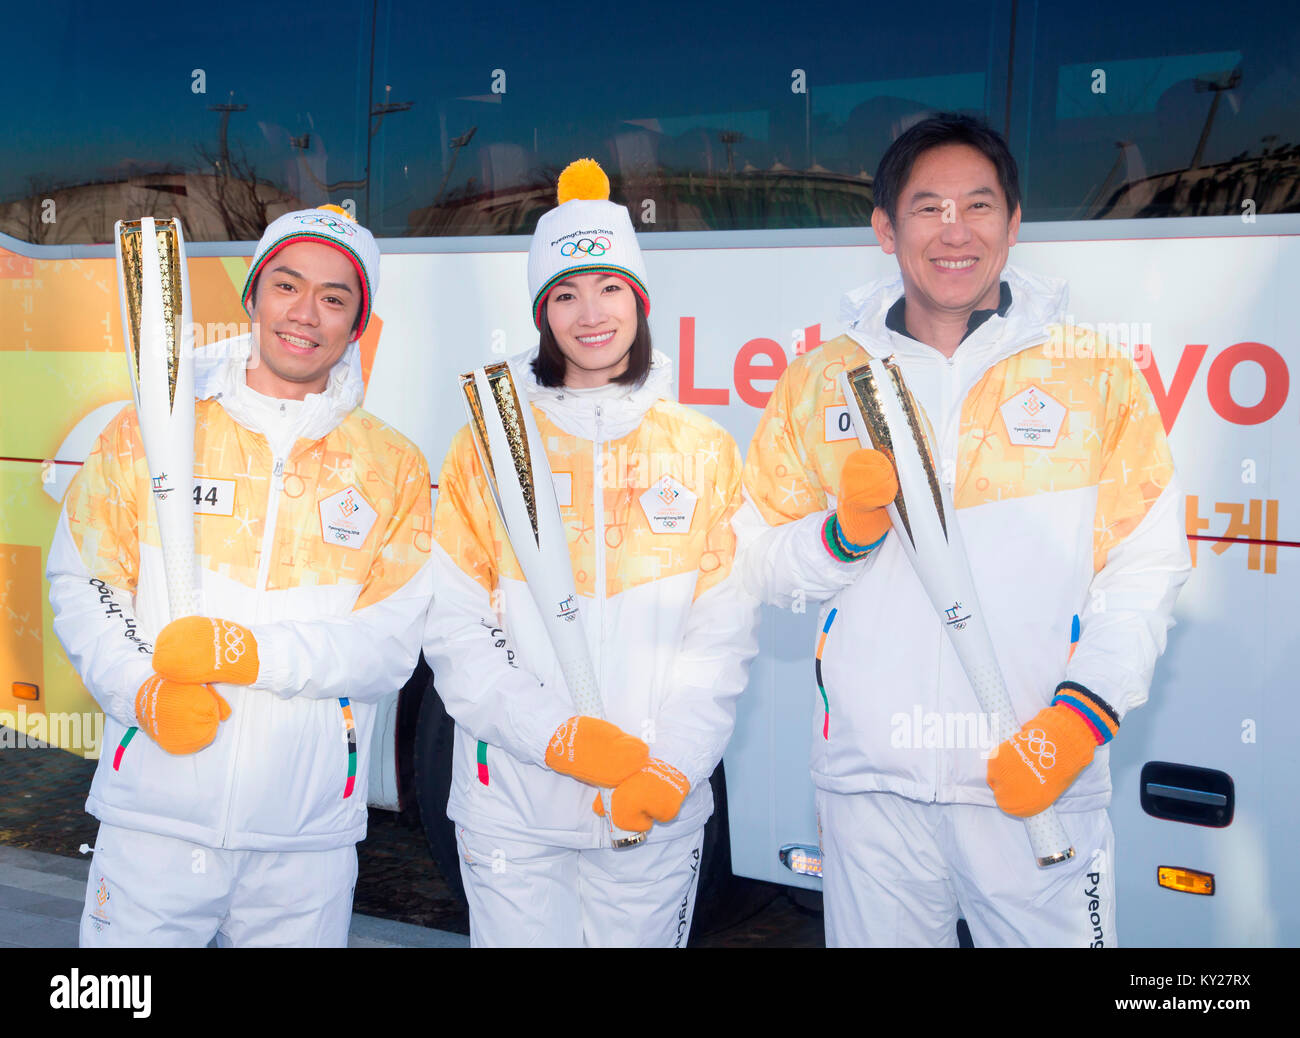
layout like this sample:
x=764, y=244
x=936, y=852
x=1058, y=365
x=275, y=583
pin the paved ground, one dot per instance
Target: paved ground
x=42, y=896
x=400, y=899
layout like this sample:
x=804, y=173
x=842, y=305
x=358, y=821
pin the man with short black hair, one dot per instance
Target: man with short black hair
x=232, y=790
x=1065, y=492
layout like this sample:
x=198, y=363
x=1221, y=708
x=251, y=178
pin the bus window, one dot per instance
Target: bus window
x=1138, y=110
x=224, y=116
x=738, y=116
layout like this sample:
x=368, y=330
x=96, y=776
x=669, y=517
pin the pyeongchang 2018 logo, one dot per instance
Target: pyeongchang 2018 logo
x=160, y=486
x=594, y=242
x=568, y=610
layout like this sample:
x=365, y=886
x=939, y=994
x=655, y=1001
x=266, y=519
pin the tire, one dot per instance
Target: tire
x=434, y=737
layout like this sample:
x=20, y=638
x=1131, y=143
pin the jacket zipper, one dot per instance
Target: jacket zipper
x=598, y=600
x=263, y=570
x=946, y=441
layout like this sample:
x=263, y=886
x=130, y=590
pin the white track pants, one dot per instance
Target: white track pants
x=150, y=891
x=532, y=895
x=899, y=873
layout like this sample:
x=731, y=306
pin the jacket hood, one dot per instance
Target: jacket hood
x=219, y=373
x=621, y=407
x=1037, y=303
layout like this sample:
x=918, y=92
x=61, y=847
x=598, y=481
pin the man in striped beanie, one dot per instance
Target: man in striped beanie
x=234, y=791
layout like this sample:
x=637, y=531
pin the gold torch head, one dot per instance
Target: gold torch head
x=132, y=270
x=918, y=424
x=868, y=395
x=508, y=407
x=477, y=427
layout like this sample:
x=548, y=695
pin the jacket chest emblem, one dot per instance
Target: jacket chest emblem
x=1033, y=418
x=669, y=506
x=346, y=518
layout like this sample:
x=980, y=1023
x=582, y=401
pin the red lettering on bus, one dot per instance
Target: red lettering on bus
x=1171, y=402
x=687, y=393
x=1277, y=380
x=746, y=372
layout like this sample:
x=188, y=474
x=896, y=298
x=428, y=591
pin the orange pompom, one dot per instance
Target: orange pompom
x=332, y=208
x=583, y=179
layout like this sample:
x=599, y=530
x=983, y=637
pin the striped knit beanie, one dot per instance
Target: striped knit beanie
x=330, y=226
x=585, y=234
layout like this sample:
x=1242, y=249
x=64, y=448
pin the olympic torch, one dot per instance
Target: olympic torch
x=155, y=295
x=886, y=416
x=510, y=451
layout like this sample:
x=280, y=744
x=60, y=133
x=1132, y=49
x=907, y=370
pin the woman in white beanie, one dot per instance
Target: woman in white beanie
x=647, y=489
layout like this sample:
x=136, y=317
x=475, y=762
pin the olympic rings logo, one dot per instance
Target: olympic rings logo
x=1036, y=742
x=588, y=246
x=234, y=639
x=332, y=223
x=1031, y=434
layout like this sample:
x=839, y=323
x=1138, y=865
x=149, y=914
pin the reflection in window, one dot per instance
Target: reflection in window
x=1135, y=113
x=737, y=117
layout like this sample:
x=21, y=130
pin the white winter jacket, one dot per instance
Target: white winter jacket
x=1069, y=511
x=337, y=624
x=670, y=628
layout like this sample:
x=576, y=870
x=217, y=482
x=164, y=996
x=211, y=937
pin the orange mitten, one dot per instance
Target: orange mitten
x=181, y=718
x=653, y=794
x=595, y=751
x=1037, y=764
x=195, y=649
x=867, y=485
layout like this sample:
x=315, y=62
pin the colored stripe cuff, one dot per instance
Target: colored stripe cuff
x=1100, y=718
x=842, y=548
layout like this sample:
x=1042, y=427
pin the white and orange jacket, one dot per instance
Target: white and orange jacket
x=337, y=625
x=669, y=626
x=1070, y=515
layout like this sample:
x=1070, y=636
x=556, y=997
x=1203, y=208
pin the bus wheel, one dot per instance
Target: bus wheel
x=434, y=735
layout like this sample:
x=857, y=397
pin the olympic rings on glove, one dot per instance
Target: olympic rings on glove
x=1036, y=742
x=234, y=639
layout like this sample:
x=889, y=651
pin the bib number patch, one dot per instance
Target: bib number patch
x=214, y=496
x=838, y=424
x=346, y=518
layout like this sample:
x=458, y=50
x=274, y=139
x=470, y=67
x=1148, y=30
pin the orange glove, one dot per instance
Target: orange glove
x=1036, y=765
x=595, y=751
x=653, y=794
x=867, y=485
x=180, y=718
x=195, y=649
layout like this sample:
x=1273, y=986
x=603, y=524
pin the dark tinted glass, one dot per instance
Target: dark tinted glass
x=217, y=113
x=1146, y=109
x=431, y=120
x=707, y=117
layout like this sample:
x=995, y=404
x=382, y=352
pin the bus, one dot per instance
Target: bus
x=1160, y=172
